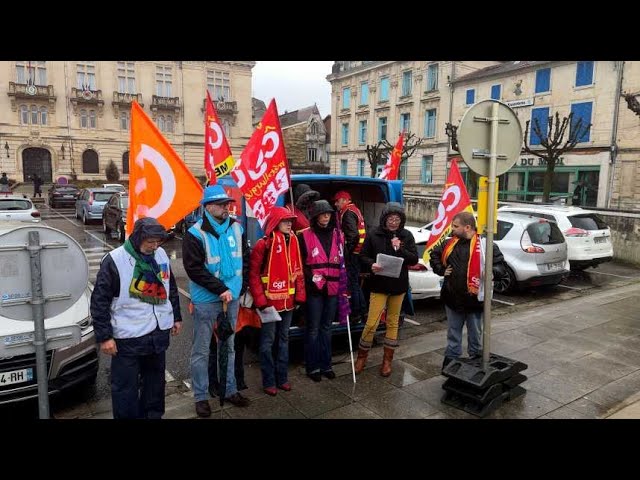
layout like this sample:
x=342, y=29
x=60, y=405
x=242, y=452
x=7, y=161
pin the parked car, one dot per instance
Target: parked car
x=588, y=236
x=18, y=208
x=114, y=186
x=185, y=224
x=424, y=283
x=114, y=215
x=63, y=195
x=90, y=203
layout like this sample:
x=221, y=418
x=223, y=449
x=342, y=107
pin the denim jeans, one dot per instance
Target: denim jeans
x=204, y=316
x=274, y=339
x=456, y=321
x=357, y=301
x=321, y=311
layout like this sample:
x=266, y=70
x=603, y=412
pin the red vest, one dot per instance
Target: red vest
x=361, y=230
x=323, y=269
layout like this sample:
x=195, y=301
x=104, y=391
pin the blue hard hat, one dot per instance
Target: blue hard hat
x=215, y=194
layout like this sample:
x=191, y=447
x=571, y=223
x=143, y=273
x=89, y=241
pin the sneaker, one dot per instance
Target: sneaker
x=330, y=374
x=447, y=361
x=273, y=391
x=203, y=409
x=285, y=386
x=238, y=400
x=315, y=376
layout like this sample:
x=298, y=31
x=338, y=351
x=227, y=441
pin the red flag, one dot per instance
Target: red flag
x=262, y=173
x=218, y=160
x=391, y=168
x=455, y=199
x=160, y=184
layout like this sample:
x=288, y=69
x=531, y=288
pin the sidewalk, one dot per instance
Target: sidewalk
x=583, y=358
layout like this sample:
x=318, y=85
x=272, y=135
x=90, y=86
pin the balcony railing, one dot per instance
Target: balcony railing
x=222, y=107
x=123, y=101
x=165, y=103
x=86, y=98
x=32, y=92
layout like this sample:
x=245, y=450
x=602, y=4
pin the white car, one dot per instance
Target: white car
x=114, y=186
x=588, y=236
x=18, y=208
x=424, y=283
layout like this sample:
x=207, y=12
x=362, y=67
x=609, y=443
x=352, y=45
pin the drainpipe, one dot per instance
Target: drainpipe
x=451, y=89
x=614, y=132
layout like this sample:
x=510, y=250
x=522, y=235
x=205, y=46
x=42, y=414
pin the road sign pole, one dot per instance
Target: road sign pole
x=488, y=266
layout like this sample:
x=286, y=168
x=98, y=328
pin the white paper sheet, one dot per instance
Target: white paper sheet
x=391, y=266
x=269, y=314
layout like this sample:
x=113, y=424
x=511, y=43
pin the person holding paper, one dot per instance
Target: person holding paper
x=390, y=238
x=276, y=283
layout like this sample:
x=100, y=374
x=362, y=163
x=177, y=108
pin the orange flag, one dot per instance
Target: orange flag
x=392, y=167
x=218, y=160
x=160, y=184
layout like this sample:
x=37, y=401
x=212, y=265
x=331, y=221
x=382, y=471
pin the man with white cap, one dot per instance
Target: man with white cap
x=214, y=253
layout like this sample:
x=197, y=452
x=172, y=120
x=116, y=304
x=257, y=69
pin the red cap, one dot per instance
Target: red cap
x=341, y=194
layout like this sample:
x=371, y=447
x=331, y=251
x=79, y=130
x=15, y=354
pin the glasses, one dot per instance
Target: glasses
x=393, y=220
x=155, y=242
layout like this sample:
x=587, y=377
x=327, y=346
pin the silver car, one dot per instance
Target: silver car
x=90, y=203
x=534, y=249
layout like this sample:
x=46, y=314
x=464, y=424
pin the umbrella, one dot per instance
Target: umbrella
x=223, y=331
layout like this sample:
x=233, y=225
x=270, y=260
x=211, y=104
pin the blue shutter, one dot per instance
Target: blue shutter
x=345, y=134
x=432, y=77
x=346, y=97
x=430, y=123
x=343, y=167
x=382, y=128
x=384, y=89
x=363, y=132
x=542, y=115
x=471, y=96
x=364, y=93
x=581, y=111
x=425, y=173
x=543, y=80
x=496, y=92
x=584, y=73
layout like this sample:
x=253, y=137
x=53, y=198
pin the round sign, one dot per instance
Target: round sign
x=87, y=94
x=31, y=89
x=474, y=138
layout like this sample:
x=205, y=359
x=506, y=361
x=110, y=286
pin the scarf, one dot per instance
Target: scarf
x=284, y=266
x=226, y=264
x=146, y=284
x=473, y=269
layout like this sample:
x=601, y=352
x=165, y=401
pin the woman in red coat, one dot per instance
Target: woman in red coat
x=276, y=279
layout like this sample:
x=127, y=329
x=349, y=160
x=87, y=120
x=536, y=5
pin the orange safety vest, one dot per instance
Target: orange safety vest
x=361, y=230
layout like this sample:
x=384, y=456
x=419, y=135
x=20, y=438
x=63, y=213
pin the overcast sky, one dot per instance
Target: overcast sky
x=294, y=85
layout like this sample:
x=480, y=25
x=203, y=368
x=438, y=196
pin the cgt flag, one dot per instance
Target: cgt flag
x=218, y=160
x=160, y=184
x=455, y=199
x=391, y=168
x=262, y=173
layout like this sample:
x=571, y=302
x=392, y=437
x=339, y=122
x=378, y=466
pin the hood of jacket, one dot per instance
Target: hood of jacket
x=395, y=208
x=277, y=215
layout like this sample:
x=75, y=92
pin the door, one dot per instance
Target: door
x=36, y=160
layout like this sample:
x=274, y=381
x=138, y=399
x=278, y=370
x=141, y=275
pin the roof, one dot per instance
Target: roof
x=498, y=70
x=298, y=116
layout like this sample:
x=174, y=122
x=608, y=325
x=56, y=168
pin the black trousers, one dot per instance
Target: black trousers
x=239, y=344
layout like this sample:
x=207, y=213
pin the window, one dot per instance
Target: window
x=226, y=125
x=361, y=167
x=405, y=122
x=426, y=170
x=542, y=116
x=430, y=123
x=160, y=122
x=169, y=124
x=407, y=83
x=32, y=73
x=345, y=134
x=384, y=89
x=43, y=115
x=432, y=77
x=402, y=173
x=362, y=132
x=163, y=80
x=471, y=96
x=364, y=93
x=311, y=154
x=92, y=119
x=496, y=92
x=34, y=115
x=125, y=163
x=346, y=97
x=83, y=119
x=87, y=119
x=124, y=120
x=343, y=167
x=219, y=85
x=24, y=115
x=503, y=229
x=126, y=77
x=581, y=111
x=584, y=74
x=90, y=162
x=86, y=75
x=314, y=128
x=382, y=128
x=543, y=80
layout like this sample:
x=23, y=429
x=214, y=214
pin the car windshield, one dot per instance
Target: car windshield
x=124, y=201
x=102, y=196
x=587, y=221
x=11, y=204
x=545, y=233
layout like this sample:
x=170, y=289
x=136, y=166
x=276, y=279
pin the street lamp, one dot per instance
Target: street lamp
x=62, y=150
x=6, y=147
x=452, y=132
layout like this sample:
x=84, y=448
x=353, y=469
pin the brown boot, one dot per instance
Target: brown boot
x=385, y=368
x=362, y=360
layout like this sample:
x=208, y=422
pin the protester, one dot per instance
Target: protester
x=4, y=183
x=351, y=221
x=214, y=253
x=132, y=319
x=276, y=280
x=304, y=198
x=389, y=238
x=461, y=261
x=37, y=185
x=321, y=250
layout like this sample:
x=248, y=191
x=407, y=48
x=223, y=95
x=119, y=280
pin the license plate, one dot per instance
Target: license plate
x=552, y=267
x=67, y=196
x=16, y=376
x=600, y=239
x=18, y=338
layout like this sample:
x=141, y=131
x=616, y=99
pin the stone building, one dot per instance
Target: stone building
x=305, y=140
x=70, y=118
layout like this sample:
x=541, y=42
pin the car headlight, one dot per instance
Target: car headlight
x=85, y=323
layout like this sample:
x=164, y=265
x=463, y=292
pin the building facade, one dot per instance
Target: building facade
x=376, y=100
x=71, y=118
x=305, y=140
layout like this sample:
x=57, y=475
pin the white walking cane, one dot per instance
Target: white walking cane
x=353, y=367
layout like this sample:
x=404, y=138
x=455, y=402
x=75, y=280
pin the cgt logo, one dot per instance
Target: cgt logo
x=450, y=200
x=279, y=285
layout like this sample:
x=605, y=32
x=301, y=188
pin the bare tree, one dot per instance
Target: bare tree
x=553, y=143
x=377, y=154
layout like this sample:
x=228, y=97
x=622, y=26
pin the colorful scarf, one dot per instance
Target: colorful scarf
x=146, y=284
x=284, y=266
x=473, y=269
x=227, y=271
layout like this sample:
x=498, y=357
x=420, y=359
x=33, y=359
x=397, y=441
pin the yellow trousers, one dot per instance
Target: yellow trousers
x=377, y=304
